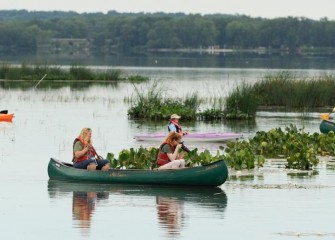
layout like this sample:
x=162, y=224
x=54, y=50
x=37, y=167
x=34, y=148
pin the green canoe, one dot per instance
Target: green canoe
x=211, y=175
x=327, y=126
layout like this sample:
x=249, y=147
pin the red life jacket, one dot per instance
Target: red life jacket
x=90, y=153
x=178, y=127
x=162, y=157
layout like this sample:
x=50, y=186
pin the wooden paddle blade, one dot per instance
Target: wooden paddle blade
x=324, y=116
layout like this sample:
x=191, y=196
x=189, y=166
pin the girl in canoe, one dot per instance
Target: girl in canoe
x=84, y=154
x=168, y=155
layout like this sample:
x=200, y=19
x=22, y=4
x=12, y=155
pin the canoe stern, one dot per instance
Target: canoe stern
x=327, y=126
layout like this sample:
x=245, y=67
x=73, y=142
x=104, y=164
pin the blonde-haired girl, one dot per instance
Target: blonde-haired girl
x=84, y=154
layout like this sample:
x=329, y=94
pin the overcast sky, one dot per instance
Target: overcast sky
x=314, y=9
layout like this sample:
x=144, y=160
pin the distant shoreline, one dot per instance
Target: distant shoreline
x=184, y=50
x=260, y=50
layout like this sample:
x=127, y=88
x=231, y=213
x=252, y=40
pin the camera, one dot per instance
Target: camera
x=184, y=147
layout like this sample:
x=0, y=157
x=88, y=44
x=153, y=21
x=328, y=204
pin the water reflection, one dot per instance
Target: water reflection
x=172, y=204
x=170, y=214
x=171, y=210
x=84, y=199
x=83, y=206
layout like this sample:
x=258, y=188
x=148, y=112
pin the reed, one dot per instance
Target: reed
x=145, y=102
x=81, y=73
x=152, y=103
x=216, y=110
x=289, y=91
x=34, y=72
x=242, y=102
x=137, y=79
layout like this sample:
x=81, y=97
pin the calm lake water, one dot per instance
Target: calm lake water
x=271, y=203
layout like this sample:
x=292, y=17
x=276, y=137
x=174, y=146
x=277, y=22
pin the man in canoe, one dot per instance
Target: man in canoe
x=174, y=125
x=168, y=155
x=84, y=154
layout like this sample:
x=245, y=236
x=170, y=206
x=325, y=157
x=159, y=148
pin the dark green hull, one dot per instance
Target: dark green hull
x=211, y=175
x=327, y=126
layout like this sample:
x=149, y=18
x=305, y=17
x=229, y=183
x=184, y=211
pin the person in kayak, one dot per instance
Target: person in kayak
x=84, y=154
x=168, y=155
x=175, y=126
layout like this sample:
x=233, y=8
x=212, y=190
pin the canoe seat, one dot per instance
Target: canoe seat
x=68, y=164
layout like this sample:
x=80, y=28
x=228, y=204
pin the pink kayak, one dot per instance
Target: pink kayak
x=191, y=137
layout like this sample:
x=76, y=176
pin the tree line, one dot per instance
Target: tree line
x=25, y=31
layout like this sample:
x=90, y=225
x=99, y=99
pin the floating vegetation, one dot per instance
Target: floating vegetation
x=275, y=186
x=301, y=151
x=144, y=158
x=307, y=234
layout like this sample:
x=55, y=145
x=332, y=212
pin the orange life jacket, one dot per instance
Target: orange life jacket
x=162, y=157
x=90, y=153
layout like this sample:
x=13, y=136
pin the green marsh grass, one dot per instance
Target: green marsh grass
x=137, y=79
x=152, y=103
x=36, y=72
x=241, y=103
x=26, y=76
x=287, y=90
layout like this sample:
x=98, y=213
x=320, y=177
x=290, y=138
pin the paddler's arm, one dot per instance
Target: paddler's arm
x=174, y=156
x=81, y=153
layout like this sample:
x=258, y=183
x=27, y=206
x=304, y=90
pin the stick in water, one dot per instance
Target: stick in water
x=40, y=80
